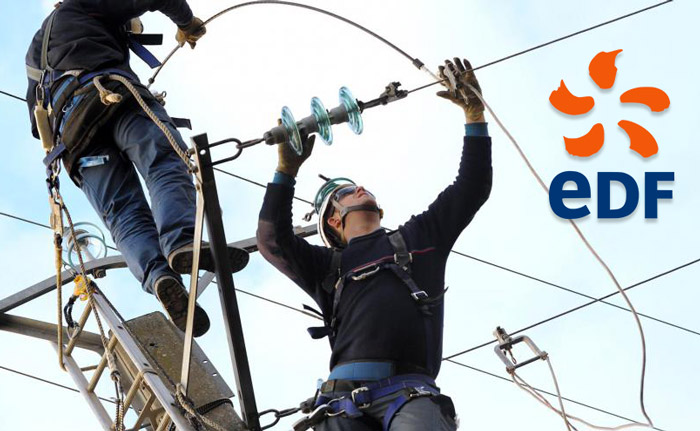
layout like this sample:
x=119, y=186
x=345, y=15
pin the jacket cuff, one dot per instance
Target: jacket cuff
x=285, y=179
x=476, y=129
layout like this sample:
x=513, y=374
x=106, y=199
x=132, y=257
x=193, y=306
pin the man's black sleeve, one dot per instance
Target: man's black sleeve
x=456, y=206
x=305, y=264
x=121, y=11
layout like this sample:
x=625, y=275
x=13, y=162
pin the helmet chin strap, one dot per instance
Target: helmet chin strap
x=344, y=211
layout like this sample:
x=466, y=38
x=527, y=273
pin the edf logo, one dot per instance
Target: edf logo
x=603, y=72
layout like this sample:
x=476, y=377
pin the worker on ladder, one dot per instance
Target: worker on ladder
x=91, y=121
x=380, y=293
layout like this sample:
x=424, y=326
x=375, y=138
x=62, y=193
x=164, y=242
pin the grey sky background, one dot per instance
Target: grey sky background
x=254, y=61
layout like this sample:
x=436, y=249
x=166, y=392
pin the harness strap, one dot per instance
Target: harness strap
x=352, y=404
x=143, y=53
x=55, y=153
x=402, y=256
x=44, y=65
x=328, y=283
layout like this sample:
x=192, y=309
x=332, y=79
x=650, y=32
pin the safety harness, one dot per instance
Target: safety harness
x=357, y=395
x=72, y=105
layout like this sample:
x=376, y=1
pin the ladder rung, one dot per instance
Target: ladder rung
x=164, y=422
x=144, y=413
x=101, y=366
x=132, y=390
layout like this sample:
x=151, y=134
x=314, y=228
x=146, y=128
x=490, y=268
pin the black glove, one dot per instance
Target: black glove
x=288, y=160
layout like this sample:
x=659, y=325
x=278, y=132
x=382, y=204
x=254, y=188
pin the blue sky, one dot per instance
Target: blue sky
x=254, y=61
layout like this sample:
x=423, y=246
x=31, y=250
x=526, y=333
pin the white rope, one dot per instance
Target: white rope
x=590, y=248
x=522, y=384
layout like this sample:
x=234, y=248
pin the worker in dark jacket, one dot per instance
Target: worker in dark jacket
x=380, y=293
x=69, y=64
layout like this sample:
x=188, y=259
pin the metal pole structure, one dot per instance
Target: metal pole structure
x=227, y=293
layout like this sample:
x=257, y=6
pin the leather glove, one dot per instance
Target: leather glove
x=457, y=78
x=288, y=160
x=191, y=32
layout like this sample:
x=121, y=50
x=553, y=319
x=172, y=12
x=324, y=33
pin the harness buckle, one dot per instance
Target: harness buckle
x=419, y=392
x=397, y=258
x=366, y=274
x=357, y=391
x=420, y=295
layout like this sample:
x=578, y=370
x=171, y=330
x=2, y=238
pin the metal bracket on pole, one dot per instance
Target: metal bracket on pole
x=227, y=293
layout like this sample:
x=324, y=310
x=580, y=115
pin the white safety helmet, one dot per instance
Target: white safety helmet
x=324, y=205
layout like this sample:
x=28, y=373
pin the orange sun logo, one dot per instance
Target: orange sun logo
x=603, y=72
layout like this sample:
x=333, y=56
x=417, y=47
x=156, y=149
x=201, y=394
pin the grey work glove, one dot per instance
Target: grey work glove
x=191, y=32
x=457, y=78
x=288, y=160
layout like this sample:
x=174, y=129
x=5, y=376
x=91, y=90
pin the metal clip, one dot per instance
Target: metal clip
x=506, y=343
x=419, y=392
x=357, y=391
x=390, y=94
x=420, y=295
x=366, y=274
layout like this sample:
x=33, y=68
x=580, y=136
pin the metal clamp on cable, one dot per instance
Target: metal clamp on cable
x=506, y=343
x=391, y=94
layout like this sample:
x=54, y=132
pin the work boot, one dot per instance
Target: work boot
x=180, y=260
x=172, y=294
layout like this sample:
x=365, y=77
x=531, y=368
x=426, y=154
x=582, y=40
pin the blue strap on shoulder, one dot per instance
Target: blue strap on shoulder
x=143, y=53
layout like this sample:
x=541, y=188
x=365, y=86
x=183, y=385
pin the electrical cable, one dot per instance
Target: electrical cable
x=566, y=289
x=403, y=53
x=37, y=224
x=49, y=382
x=415, y=61
x=306, y=313
x=620, y=289
x=548, y=393
x=13, y=96
x=447, y=358
x=486, y=262
x=553, y=41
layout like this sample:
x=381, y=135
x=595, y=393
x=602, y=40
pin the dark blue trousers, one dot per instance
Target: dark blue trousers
x=144, y=234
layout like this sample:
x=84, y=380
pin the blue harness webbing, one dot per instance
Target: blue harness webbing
x=353, y=402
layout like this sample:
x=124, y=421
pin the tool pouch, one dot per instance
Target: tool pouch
x=84, y=114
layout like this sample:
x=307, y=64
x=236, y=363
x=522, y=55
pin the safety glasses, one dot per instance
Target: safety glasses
x=345, y=191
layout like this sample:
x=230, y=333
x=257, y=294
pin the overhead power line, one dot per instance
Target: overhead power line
x=31, y=376
x=598, y=409
x=499, y=60
x=548, y=283
x=459, y=253
x=35, y=223
x=562, y=314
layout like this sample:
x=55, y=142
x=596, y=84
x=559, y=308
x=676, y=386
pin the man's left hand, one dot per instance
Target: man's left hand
x=461, y=84
x=191, y=32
